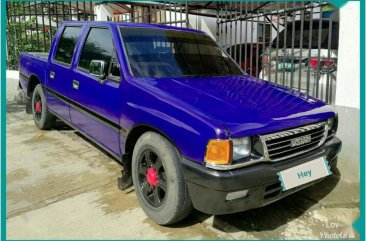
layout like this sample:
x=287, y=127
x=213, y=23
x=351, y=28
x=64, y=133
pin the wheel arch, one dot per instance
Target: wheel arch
x=132, y=136
x=137, y=131
x=33, y=81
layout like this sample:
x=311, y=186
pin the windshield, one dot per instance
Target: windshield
x=159, y=53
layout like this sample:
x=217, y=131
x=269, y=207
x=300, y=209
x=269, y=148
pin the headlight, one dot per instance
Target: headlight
x=332, y=124
x=241, y=148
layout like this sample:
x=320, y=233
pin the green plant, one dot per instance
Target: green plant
x=24, y=33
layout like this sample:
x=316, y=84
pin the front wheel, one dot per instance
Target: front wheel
x=158, y=179
x=42, y=117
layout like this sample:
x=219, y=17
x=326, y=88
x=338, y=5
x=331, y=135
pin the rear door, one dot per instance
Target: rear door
x=59, y=73
x=96, y=104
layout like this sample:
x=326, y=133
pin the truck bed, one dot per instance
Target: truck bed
x=32, y=63
x=39, y=55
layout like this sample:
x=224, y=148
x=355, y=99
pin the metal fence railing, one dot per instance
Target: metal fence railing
x=31, y=25
x=294, y=44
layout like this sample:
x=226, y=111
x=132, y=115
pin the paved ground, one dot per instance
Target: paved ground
x=59, y=186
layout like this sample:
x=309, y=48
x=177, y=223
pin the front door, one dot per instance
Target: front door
x=96, y=103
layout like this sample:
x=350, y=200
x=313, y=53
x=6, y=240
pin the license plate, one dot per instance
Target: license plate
x=304, y=173
x=285, y=66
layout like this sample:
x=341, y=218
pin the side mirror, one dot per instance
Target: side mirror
x=98, y=68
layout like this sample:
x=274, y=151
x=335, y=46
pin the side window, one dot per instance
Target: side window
x=114, y=68
x=67, y=43
x=99, y=46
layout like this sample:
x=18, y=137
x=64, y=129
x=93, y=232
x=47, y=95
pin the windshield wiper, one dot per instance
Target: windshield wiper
x=192, y=75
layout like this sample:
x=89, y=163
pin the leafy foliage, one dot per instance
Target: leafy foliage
x=24, y=33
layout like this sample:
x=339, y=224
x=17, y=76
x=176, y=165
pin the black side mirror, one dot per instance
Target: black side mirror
x=98, y=68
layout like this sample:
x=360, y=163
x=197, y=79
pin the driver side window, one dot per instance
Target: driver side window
x=114, y=68
x=99, y=46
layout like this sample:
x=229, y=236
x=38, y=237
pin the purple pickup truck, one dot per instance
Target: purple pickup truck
x=190, y=129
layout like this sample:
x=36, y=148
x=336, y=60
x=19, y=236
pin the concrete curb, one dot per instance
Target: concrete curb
x=13, y=92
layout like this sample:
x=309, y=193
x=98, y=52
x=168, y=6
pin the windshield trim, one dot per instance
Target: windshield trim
x=181, y=77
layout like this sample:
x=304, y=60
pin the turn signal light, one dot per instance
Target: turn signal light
x=218, y=152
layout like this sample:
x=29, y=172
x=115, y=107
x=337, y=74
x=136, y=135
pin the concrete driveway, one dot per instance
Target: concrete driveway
x=60, y=186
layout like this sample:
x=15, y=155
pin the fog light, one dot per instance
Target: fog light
x=235, y=195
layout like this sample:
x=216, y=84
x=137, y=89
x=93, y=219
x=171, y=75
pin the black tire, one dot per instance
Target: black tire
x=172, y=205
x=42, y=117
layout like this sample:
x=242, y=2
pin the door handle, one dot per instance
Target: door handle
x=52, y=75
x=75, y=84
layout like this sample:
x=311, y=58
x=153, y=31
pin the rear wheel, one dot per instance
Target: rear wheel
x=158, y=180
x=41, y=116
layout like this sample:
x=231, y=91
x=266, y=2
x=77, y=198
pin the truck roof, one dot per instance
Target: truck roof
x=135, y=25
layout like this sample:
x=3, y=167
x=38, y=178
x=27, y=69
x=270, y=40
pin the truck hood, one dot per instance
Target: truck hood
x=246, y=105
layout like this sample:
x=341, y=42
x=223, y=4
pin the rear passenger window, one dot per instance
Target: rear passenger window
x=67, y=43
x=99, y=46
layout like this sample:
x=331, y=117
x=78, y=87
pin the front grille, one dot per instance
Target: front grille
x=279, y=145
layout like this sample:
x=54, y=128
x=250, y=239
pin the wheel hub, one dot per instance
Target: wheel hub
x=152, y=177
x=38, y=106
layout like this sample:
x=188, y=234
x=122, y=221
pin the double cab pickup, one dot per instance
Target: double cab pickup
x=189, y=127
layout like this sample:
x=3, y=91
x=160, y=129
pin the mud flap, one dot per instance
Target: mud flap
x=28, y=105
x=125, y=181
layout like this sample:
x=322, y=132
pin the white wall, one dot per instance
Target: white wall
x=12, y=83
x=13, y=93
x=208, y=25
x=103, y=12
x=205, y=24
x=348, y=74
x=248, y=29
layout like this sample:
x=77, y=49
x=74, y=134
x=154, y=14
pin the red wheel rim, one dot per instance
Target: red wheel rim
x=38, y=106
x=152, y=177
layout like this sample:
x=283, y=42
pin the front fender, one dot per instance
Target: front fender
x=181, y=123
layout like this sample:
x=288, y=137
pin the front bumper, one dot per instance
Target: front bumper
x=208, y=188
